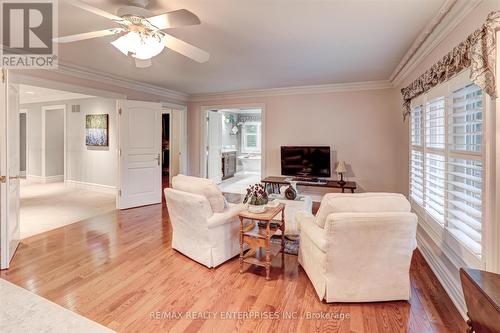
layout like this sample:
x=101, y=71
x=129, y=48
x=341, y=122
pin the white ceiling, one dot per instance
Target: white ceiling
x=32, y=94
x=257, y=44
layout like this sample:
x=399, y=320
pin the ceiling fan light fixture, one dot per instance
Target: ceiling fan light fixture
x=128, y=43
x=140, y=46
x=151, y=46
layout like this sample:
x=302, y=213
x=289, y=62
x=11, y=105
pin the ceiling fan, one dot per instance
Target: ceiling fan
x=141, y=34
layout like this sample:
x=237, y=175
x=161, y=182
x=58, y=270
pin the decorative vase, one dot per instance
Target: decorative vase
x=291, y=193
x=256, y=209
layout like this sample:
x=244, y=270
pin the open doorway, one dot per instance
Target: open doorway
x=67, y=158
x=173, y=144
x=234, y=153
x=165, y=146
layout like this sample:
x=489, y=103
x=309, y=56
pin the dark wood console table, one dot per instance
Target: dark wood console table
x=275, y=182
x=482, y=297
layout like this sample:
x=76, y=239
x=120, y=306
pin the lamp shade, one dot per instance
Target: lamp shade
x=341, y=168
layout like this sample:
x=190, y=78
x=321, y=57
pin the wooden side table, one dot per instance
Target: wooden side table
x=482, y=297
x=262, y=251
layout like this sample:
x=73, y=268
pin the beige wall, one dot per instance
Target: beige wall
x=364, y=128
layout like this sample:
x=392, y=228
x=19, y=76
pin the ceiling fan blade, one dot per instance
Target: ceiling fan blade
x=87, y=35
x=94, y=10
x=176, y=18
x=140, y=63
x=185, y=49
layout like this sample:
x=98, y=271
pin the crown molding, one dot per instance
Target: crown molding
x=62, y=96
x=297, y=90
x=89, y=74
x=451, y=13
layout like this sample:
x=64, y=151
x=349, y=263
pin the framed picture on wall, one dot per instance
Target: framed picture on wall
x=96, y=130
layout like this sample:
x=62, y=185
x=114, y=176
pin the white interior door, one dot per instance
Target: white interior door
x=9, y=165
x=140, y=150
x=214, y=160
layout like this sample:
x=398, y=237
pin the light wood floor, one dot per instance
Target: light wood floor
x=119, y=267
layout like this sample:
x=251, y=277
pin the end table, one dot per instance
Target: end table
x=259, y=237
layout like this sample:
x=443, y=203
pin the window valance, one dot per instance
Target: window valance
x=476, y=52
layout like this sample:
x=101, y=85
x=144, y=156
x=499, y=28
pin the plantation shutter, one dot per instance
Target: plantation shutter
x=465, y=167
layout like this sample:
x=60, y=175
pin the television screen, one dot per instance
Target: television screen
x=302, y=161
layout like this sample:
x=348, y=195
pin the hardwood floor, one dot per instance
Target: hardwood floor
x=118, y=269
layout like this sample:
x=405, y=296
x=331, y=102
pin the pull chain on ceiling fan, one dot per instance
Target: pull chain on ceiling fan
x=141, y=35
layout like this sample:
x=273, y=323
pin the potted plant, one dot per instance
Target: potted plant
x=256, y=198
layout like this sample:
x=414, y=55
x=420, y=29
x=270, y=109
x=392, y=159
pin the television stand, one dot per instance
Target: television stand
x=305, y=179
x=273, y=183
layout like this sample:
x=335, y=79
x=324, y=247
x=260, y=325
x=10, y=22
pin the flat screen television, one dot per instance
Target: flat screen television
x=305, y=161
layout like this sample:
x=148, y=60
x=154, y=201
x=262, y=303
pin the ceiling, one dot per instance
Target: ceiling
x=258, y=44
x=32, y=94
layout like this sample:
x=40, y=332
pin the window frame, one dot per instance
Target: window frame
x=439, y=232
x=244, y=147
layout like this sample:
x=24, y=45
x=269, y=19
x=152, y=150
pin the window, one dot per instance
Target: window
x=251, y=137
x=447, y=162
x=416, y=158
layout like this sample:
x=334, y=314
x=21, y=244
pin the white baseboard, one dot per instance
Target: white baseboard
x=45, y=180
x=445, y=270
x=91, y=186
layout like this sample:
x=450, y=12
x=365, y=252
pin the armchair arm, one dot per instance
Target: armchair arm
x=311, y=230
x=228, y=215
x=303, y=216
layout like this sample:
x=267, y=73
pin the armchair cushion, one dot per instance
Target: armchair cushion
x=360, y=203
x=201, y=186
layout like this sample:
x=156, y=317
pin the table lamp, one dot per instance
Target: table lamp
x=341, y=169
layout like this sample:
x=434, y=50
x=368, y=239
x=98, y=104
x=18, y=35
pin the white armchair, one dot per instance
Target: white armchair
x=204, y=227
x=358, y=248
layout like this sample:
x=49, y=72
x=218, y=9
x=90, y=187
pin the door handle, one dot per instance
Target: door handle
x=15, y=177
x=157, y=158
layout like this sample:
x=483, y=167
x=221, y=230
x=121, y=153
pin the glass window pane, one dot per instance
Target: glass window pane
x=416, y=125
x=434, y=124
x=251, y=141
x=417, y=176
x=251, y=129
x=466, y=119
x=465, y=201
x=434, y=186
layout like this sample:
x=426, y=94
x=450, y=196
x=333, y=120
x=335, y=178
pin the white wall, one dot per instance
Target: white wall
x=364, y=128
x=54, y=143
x=94, y=165
x=34, y=139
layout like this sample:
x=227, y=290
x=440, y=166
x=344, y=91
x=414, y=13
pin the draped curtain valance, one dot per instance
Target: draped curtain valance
x=476, y=52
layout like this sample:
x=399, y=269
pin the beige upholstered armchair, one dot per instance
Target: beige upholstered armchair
x=358, y=247
x=205, y=227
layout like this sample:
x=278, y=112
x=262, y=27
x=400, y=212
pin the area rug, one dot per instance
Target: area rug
x=291, y=245
x=23, y=311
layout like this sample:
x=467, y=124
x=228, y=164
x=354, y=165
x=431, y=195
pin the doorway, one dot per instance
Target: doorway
x=233, y=147
x=165, y=123
x=65, y=178
x=173, y=145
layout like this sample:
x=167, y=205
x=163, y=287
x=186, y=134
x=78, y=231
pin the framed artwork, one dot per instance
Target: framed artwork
x=96, y=130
